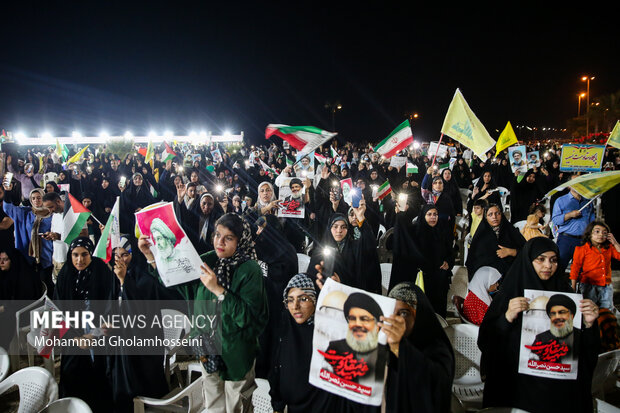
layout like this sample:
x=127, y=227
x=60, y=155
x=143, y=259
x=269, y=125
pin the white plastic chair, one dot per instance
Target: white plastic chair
x=5, y=364
x=48, y=363
x=303, y=261
x=603, y=407
x=520, y=225
x=381, y=231
x=604, y=371
x=442, y=321
x=386, y=273
x=261, y=398
x=173, y=332
x=190, y=399
x=22, y=331
x=467, y=385
x=37, y=388
x=67, y=405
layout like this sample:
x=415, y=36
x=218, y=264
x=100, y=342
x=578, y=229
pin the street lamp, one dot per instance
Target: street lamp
x=587, y=80
x=579, y=97
x=333, y=107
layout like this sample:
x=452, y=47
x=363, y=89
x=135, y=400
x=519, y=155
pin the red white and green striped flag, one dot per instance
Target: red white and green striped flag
x=74, y=219
x=267, y=168
x=333, y=152
x=111, y=235
x=411, y=168
x=303, y=138
x=399, y=139
x=167, y=154
x=289, y=161
x=384, y=190
x=320, y=158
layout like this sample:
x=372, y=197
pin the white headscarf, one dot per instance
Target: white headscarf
x=483, y=279
x=273, y=194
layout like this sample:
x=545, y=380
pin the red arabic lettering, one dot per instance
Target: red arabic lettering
x=345, y=366
x=551, y=352
x=558, y=367
x=345, y=384
x=291, y=206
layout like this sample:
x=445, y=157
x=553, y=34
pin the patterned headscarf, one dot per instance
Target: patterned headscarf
x=406, y=293
x=81, y=281
x=304, y=283
x=225, y=267
x=82, y=242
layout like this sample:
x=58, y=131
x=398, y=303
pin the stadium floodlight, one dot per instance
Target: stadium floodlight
x=203, y=134
x=76, y=134
x=104, y=134
x=227, y=134
x=46, y=135
x=152, y=134
x=168, y=134
x=20, y=135
x=128, y=135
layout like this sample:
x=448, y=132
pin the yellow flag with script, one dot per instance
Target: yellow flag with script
x=76, y=158
x=590, y=185
x=614, y=136
x=506, y=139
x=462, y=125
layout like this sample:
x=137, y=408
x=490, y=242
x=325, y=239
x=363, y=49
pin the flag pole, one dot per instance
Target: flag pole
x=437, y=151
x=589, y=202
x=95, y=218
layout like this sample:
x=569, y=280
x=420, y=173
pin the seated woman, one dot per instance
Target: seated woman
x=495, y=244
x=289, y=377
x=499, y=339
x=479, y=296
x=231, y=277
x=533, y=227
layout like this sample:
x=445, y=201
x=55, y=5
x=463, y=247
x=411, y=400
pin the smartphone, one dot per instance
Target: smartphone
x=8, y=178
x=356, y=197
x=261, y=221
x=402, y=201
x=329, y=258
x=123, y=181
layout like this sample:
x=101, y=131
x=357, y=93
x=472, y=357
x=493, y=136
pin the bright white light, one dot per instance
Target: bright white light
x=219, y=188
x=46, y=135
x=203, y=134
x=247, y=163
x=76, y=134
x=104, y=134
x=152, y=134
x=326, y=251
x=193, y=134
x=416, y=145
x=168, y=134
x=128, y=134
x=20, y=135
x=227, y=134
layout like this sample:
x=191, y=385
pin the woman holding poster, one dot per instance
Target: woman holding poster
x=232, y=278
x=535, y=268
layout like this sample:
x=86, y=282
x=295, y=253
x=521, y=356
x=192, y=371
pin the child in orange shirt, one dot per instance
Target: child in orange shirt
x=592, y=264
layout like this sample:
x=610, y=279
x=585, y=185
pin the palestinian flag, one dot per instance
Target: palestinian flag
x=320, y=158
x=289, y=161
x=384, y=190
x=74, y=219
x=152, y=189
x=333, y=152
x=444, y=166
x=303, y=138
x=411, y=168
x=267, y=168
x=167, y=154
x=111, y=235
x=399, y=139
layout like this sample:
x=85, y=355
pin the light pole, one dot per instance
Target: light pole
x=579, y=97
x=587, y=80
x=333, y=107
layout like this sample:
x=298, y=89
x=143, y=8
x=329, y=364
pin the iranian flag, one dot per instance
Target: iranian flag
x=399, y=139
x=74, y=219
x=167, y=154
x=411, y=168
x=384, y=190
x=111, y=235
x=320, y=158
x=303, y=138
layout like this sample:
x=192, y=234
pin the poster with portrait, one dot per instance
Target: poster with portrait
x=516, y=157
x=217, y=156
x=176, y=258
x=452, y=151
x=347, y=185
x=349, y=350
x=304, y=168
x=533, y=159
x=398, y=161
x=291, y=195
x=548, y=335
x=436, y=148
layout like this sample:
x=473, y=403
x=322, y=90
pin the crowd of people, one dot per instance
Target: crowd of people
x=227, y=200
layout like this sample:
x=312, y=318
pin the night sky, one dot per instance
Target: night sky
x=191, y=66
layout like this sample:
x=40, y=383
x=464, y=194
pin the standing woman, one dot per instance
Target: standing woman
x=426, y=246
x=535, y=268
x=485, y=189
x=495, y=244
x=451, y=188
x=134, y=197
x=231, y=277
x=83, y=280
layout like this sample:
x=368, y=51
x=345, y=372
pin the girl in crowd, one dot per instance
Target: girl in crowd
x=495, y=244
x=356, y=262
x=479, y=296
x=591, y=266
x=485, y=189
x=84, y=282
x=533, y=227
x=232, y=278
x=427, y=246
x=499, y=339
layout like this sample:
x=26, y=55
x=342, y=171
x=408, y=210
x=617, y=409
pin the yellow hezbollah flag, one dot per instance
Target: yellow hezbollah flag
x=76, y=158
x=590, y=185
x=149, y=153
x=419, y=281
x=462, y=125
x=614, y=136
x=506, y=139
